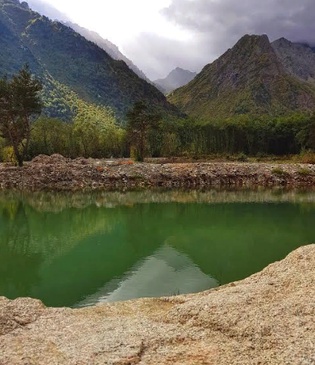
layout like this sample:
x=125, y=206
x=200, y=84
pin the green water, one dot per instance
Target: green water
x=76, y=250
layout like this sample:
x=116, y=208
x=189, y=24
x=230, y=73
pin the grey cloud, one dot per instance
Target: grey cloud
x=218, y=24
x=156, y=56
x=45, y=9
x=215, y=26
x=222, y=16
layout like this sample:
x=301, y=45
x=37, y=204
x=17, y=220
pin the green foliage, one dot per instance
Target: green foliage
x=7, y=155
x=307, y=157
x=245, y=136
x=19, y=103
x=140, y=123
x=61, y=58
x=279, y=172
x=96, y=132
x=50, y=136
x=304, y=172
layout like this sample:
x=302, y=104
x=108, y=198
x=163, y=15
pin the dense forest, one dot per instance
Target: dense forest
x=259, y=137
x=95, y=132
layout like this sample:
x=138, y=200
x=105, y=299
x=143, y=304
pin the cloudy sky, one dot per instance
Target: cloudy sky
x=159, y=35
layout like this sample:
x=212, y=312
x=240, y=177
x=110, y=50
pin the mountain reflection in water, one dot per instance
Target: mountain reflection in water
x=165, y=272
x=70, y=250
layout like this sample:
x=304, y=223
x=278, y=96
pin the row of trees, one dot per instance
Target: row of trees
x=93, y=131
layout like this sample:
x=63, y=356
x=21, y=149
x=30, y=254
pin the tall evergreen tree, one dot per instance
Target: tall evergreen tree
x=19, y=104
x=140, y=122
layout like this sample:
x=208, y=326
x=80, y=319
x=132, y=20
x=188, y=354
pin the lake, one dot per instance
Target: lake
x=82, y=249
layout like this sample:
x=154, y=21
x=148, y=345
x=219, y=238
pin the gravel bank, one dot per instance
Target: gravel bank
x=56, y=173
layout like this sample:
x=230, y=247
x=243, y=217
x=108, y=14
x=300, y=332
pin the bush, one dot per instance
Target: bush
x=8, y=155
x=307, y=157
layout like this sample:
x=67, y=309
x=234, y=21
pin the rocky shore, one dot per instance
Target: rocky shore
x=57, y=173
x=268, y=318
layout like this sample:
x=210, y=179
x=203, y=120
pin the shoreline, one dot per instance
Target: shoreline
x=267, y=318
x=57, y=173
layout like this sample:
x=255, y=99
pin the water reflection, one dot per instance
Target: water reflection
x=72, y=250
x=15, y=245
x=165, y=272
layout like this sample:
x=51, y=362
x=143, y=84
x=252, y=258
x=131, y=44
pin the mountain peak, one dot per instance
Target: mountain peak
x=249, y=78
x=298, y=59
x=175, y=79
x=282, y=40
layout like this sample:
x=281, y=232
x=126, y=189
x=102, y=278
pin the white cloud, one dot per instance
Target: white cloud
x=158, y=35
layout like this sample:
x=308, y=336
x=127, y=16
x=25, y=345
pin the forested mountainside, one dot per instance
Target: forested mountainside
x=51, y=12
x=107, y=46
x=65, y=60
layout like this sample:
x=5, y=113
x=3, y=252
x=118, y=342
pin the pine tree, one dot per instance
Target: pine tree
x=140, y=122
x=19, y=104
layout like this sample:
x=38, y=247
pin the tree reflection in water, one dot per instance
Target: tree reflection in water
x=19, y=266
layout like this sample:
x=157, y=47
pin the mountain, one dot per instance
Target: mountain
x=247, y=79
x=48, y=10
x=175, y=79
x=109, y=47
x=64, y=59
x=298, y=59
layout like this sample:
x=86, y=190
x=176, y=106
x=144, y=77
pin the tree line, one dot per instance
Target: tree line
x=94, y=131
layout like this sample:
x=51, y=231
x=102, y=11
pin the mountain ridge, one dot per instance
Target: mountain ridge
x=52, y=48
x=176, y=78
x=298, y=59
x=107, y=45
x=248, y=79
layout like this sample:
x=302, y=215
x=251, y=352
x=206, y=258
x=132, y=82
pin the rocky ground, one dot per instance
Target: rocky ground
x=58, y=173
x=268, y=318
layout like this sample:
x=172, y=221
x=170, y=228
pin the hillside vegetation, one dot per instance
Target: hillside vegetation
x=61, y=56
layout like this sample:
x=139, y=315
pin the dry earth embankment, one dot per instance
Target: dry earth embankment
x=58, y=173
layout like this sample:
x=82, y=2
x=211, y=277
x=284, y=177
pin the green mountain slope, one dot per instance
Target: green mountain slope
x=56, y=52
x=247, y=79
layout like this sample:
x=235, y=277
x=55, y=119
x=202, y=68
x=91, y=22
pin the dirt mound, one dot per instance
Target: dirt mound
x=56, y=158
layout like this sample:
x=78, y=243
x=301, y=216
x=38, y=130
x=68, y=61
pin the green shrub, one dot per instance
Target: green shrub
x=8, y=155
x=307, y=157
x=279, y=172
x=304, y=172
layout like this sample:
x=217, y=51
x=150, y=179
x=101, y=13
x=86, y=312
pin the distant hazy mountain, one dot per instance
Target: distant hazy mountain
x=251, y=78
x=47, y=10
x=59, y=55
x=176, y=78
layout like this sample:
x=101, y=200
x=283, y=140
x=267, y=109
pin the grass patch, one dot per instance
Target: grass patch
x=278, y=171
x=307, y=157
x=304, y=172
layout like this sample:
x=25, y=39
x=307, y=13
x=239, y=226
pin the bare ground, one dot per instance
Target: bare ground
x=56, y=173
